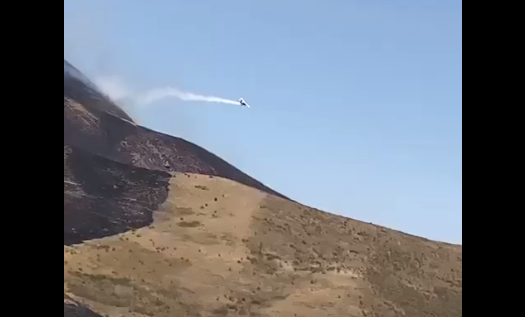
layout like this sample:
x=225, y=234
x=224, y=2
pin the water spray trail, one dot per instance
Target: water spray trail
x=159, y=94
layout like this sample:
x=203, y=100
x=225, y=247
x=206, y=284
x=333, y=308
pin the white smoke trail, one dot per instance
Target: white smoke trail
x=155, y=95
x=117, y=90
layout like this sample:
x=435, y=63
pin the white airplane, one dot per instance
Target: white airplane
x=243, y=103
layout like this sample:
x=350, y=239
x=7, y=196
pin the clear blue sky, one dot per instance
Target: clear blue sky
x=356, y=105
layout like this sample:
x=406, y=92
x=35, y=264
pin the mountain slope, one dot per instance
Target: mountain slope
x=103, y=197
x=157, y=226
x=112, y=134
x=216, y=246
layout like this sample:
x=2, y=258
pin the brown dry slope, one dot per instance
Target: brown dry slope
x=145, y=242
x=215, y=247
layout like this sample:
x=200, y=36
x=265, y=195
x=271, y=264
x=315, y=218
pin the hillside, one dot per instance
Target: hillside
x=93, y=123
x=157, y=226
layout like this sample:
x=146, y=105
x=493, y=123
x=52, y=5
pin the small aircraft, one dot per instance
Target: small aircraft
x=243, y=103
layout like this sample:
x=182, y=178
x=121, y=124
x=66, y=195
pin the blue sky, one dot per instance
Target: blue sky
x=356, y=105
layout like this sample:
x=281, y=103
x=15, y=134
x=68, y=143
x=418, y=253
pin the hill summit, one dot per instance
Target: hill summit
x=155, y=225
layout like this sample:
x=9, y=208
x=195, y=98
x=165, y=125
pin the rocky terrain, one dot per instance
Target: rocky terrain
x=157, y=226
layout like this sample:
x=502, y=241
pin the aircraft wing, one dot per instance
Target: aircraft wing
x=243, y=103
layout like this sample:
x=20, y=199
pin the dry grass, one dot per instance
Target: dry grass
x=219, y=248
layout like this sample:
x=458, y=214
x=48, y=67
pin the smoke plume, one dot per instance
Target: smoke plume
x=155, y=95
x=117, y=90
